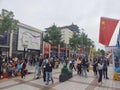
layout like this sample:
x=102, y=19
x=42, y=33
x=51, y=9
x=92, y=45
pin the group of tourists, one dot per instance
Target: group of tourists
x=43, y=66
x=99, y=64
x=12, y=67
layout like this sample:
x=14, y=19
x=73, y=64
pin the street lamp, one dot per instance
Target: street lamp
x=25, y=46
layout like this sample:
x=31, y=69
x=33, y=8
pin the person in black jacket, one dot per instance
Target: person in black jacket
x=85, y=66
x=48, y=69
x=95, y=64
x=105, y=68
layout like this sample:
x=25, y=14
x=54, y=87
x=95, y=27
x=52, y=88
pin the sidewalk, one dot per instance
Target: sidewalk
x=75, y=83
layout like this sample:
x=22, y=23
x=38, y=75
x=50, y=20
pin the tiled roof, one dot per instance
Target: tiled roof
x=71, y=27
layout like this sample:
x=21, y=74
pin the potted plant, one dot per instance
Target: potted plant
x=65, y=74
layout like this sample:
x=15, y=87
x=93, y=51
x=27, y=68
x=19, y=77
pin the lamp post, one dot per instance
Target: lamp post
x=25, y=50
x=58, y=50
x=66, y=50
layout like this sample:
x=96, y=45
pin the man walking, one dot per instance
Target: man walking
x=105, y=68
x=49, y=67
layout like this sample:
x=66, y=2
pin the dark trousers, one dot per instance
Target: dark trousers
x=100, y=76
x=79, y=70
x=105, y=72
x=95, y=70
x=44, y=75
x=23, y=72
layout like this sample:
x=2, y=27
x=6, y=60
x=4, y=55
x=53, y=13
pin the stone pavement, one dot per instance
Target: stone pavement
x=75, y=83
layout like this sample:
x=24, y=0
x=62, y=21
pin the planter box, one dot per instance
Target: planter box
x=65, y=74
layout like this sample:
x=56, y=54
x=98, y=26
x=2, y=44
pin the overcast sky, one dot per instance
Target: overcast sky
x=84, y=13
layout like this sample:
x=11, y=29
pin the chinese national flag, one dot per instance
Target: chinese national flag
x=107, y=28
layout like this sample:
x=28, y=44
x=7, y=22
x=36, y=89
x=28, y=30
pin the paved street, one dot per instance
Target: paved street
x=75, y=83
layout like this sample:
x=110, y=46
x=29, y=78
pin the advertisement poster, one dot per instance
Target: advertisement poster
x=46, y=48
x=116, y=60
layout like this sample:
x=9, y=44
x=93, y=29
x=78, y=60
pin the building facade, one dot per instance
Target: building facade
x=67, y=33
x=25, y=40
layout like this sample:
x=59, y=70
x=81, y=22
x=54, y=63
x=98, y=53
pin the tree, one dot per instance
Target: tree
x=74, y=41
x=8, y=22
x=46, y=38
x=85, y=42
x=81, y=40
x=53, y=36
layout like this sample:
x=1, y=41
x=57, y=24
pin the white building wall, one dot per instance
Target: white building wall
x=66, y=35
x=29, y=37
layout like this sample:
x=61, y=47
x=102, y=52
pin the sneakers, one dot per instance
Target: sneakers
x=37, y=77
x=47, y=83
x=107, y=78
x=52, y=82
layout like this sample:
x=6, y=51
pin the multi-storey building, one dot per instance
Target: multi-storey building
x=67, y=32
x=25, y=39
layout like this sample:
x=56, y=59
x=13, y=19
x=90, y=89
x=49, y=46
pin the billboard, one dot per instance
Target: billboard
x=116, y=60
x=29, y=39
x=46, y=48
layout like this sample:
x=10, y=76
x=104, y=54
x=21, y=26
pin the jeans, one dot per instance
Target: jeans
x=49, y=77
x=85, y=71
x=36, y=71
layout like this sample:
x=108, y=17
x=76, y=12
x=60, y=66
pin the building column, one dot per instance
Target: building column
x=10, y=45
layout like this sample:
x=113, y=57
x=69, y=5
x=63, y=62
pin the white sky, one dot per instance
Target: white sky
x=84, y=13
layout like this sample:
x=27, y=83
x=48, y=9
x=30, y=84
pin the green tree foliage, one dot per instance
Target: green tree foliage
x=74, y=41
x=8, y=22
x=46, y=38
x=81, y=40
x=53, y=35
x=100, y=52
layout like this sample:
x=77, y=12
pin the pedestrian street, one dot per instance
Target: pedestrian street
x=77, y=82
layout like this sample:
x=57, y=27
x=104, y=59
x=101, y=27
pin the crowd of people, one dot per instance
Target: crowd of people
x=12, y=67
x=99, y=64
x=43, y=66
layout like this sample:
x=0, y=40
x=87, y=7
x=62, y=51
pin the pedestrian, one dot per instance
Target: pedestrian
x=49, y=67
x=100, y=70
x=84, y=67
x=72, y=64
x=36, y=68
x=43, y=67
x=38, y=64
x=23, y=69
x=105, y=68
x=95, y=65
x=79, y=66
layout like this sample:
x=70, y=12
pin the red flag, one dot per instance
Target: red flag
x=107, y=28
